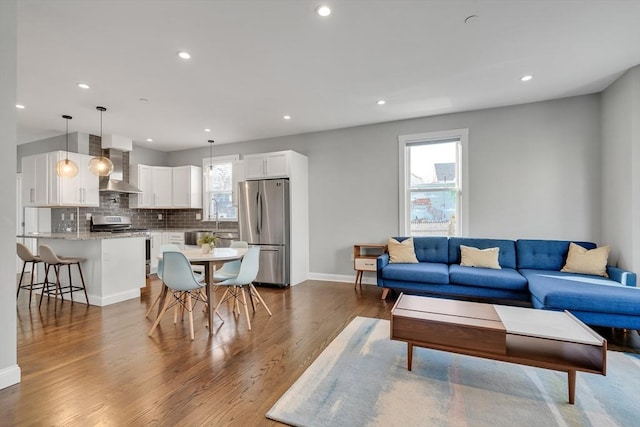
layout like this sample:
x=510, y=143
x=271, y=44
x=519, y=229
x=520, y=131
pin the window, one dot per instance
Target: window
x=218, y=189
x=432, y=179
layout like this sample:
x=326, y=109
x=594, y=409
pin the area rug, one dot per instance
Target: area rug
x=361, y=379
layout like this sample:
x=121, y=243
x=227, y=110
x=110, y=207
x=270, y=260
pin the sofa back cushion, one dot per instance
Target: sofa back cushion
x=429, y=249
x=506, y=257
x=545, y=254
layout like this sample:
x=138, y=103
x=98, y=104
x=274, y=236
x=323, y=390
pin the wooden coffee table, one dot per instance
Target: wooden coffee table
x=540, y=338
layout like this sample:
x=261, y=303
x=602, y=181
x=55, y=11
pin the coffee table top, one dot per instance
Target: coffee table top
x=555, y=325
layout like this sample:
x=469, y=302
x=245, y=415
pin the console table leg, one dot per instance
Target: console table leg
x=409, y=355
x=572, y=386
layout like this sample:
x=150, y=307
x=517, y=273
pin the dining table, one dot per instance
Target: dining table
x=211, y=261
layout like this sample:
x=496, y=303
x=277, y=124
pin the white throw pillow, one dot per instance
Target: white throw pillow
x=474, y=257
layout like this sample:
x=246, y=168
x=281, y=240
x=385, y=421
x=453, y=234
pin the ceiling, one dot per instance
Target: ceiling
x=255, y=61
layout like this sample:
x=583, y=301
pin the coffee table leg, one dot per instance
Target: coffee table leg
x=409, y=355
x=572, y=386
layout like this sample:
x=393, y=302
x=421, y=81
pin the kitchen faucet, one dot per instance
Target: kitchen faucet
x=215, y=204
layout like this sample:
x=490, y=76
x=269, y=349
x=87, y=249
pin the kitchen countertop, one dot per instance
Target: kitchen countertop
x=80, y=236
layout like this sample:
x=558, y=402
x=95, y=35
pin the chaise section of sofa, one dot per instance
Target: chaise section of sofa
x=596, y=300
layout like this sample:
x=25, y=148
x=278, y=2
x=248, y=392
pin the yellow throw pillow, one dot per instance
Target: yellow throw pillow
x=581, y=260
x=474, y=257
x=402, y=252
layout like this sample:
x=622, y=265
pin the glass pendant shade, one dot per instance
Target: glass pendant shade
x=66, y=168
x=211, y=170
x=101, y=165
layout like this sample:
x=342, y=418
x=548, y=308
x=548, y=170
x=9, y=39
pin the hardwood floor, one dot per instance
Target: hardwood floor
x=97, y=366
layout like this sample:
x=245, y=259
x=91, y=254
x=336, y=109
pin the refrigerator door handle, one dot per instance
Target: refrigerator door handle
x=258, y=213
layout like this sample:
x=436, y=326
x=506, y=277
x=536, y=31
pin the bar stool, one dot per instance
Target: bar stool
x=27, y=257
x=52, y=260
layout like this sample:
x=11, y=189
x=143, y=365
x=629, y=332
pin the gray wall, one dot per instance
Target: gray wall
x=620, y=169
x=533, y=173
x=9, y=369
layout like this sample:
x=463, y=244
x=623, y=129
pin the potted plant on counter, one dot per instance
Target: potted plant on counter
x=207, y=242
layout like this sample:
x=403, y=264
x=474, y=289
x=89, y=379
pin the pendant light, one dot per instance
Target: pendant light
x=210, y=171
x=67, y=168
x=101, y=165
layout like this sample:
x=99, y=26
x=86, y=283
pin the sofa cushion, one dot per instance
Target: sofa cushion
x=581, y=260
x=581, y=292
x=401, y=252
x=545, y=254
x=484, y=258
x=506, y=278
x=506, y=258
x=430, y=249
x=427, y=272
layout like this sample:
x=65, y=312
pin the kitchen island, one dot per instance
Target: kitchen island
x=115, y=266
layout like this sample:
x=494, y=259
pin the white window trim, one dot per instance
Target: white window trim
x=403, y=183
x=205, y=167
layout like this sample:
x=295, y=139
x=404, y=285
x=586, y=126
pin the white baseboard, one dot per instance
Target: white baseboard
x=343, y=278
x=9, y=376
x=114, y=298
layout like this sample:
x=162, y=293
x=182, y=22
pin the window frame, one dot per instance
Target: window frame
x=404, y=181
x=216, y=160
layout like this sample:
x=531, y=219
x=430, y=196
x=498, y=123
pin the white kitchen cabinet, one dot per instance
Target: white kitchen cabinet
x=41, y=185
x=141, y=178
x=162, y=181
x=156, y=242
x=268, y=165
x=35, y=180
x=80, y=190
x=187, y=187
x=237, y=176
x=173, y=238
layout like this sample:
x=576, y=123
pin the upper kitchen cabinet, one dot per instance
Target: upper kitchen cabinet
x=187, y=187
x=81, y=190
x=35, y=180
x=41, y=185
x=268, y=165
x=167, y=187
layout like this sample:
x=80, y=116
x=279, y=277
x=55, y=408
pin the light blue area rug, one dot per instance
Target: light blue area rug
x=361, y=379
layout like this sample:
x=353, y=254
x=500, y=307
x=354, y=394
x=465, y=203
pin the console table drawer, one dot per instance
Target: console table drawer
x=366, y=264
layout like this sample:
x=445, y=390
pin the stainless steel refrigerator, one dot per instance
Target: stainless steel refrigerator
x=263, y=212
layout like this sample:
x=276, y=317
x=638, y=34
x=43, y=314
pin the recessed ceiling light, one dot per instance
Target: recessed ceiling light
x=20, y=106
x=149, y=140
x=83, y=85
x=382, y=102
x=323, y=10
x=184, y=55
x=207, y=130
x=526, y=78
x=286, y=117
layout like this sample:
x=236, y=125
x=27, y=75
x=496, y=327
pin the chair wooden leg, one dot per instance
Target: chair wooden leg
x=220, y=302
x=190, y=310
x=255, y=292
x=155, y=301
x=246, y=308
x=167, y=299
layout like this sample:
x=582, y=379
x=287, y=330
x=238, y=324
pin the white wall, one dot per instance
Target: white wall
x=620, y=173
x=9, y=369
x=534, y=173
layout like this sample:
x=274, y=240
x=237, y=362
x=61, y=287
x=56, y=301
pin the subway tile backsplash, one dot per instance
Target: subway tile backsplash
x=118, y=204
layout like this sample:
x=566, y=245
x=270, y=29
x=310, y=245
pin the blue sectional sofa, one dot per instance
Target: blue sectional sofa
x=529, y=274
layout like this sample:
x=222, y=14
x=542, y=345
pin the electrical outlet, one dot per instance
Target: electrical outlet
x=198, y=216
x=88, y=217
x=62, y=217
x=71, y=217
x=160, y=216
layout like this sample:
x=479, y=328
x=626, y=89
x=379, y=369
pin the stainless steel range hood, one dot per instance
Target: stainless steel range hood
x=114, y=182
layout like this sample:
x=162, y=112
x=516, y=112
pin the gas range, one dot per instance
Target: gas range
x=115, y=224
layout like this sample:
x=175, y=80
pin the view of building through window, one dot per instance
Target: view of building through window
x=218, y=192
x=434, y=188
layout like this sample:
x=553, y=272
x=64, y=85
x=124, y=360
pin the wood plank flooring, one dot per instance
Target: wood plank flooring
x=97, y=366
